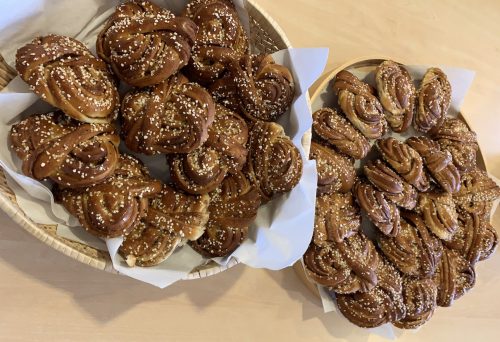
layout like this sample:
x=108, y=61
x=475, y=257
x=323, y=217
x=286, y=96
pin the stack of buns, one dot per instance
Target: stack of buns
x=196, y=98
x=424, y=203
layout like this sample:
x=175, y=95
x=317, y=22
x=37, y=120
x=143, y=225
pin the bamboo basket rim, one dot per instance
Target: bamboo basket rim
x=265, y=35
x=321, y=85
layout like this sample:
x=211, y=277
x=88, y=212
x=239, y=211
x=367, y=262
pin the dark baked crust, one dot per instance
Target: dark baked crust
x=338, y=132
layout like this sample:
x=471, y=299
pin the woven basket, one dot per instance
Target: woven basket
x=320, y=86
x=265, y=37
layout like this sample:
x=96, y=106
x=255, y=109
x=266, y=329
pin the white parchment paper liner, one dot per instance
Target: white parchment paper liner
x=461, y=80
x=283, y=227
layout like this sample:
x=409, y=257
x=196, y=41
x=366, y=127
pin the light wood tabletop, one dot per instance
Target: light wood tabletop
x=45, y=295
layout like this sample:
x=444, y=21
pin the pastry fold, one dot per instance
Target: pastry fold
x=70, y=153
x=115, y=207
x=336, y=172
x=360, y=105
x=144, y=43
x=257, y=87
x=64, y=73
x=397, y=94
x=434, y=99
x=274, y=163
x=220, y=38
x=232, y=209
x=338, y=132
x=173, y=116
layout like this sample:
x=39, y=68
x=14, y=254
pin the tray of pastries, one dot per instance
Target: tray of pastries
x=197, y=92
x=403, y=200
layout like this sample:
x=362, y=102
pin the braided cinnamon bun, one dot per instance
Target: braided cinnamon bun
x=397, y=94
x=172, y=218
x=476, y=239
x=439, y=213
x=336, y=173
x=476, y=192
x=454, y=136
x=180, y=212
x=171, y=117
x=382, y=213
x=203, y=170
x=220, y=38
x=148, y=245
x=198, y=172
x=70, y=153
x=344, y=267
x=414, y=251
x=454, y=277
x=64, y=73
x=337, y=217
x=360, y=105
x=257, y=87
x=394, y=188
x=144, y=43
x=439, y=163
x=232, y=209
x=419, y=298
x=115, y=207
x=229, y=136
x=405, y=161
x=383, y=304
x=434, y=99
x=273, y=163
x=338, y=132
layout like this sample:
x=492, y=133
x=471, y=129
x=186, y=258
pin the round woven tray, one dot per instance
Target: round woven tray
x=265, y=36
x=319, y=87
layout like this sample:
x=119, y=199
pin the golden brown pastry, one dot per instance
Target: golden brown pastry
x=476, y=191
x=115, y=207
x=345, y=267
x=397, y=94
x=273, y=163
x=338, y=132
x=476, y=239
x=70, y=153
x=439, y=163
x=233, y=208
x=336, y=218
x=434, y=98
x=64, y=73
x=439, y=213
x=198, y=172
x=257, y=87
x=220, y=37
x=219, y=240
x=382, y=213
x=203, y=170
x=336, y=173
x=482, y=208
x=394, y=188
x=359, y=103
x=383, y=304
x=405, y=161
x=144, y=43
x=454, y=136
x=148, y=245
x=172, y=218
x=185, y=214
x=419, y=298
x=414, y=251
x=229, y=135
x=171, y=117
x=454, y=277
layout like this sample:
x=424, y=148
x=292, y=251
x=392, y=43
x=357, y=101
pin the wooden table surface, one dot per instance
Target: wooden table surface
x=47, y=296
